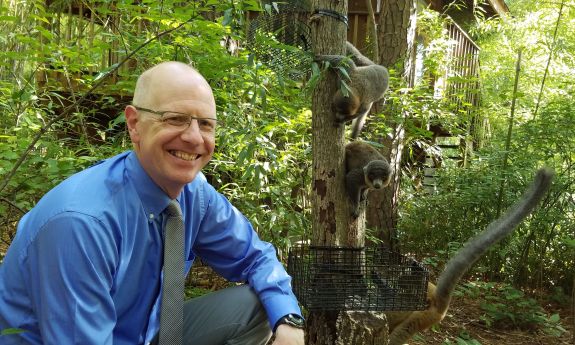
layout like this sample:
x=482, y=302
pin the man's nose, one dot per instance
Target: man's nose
x=193, y=133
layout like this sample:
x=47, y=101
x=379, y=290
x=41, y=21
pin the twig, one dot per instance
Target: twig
x=67, y=110
x=11, y=203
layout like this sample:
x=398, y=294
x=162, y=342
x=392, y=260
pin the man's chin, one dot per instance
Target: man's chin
x=186, y=178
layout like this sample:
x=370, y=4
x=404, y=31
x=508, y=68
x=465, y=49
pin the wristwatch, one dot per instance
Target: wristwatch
x=293, y=320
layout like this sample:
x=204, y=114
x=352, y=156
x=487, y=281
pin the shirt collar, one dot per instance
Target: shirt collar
x=154, y=199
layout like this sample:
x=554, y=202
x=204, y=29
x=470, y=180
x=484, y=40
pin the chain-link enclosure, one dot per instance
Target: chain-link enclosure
x=281, y=38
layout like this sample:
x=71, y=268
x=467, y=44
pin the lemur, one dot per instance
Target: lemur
x=403, y=325
x=367, y=83
x=366, y=168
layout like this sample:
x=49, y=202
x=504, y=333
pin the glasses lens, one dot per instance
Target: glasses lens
x=183, y=121
x=176, y=120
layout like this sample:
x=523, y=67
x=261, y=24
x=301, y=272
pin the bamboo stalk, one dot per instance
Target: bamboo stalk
x=91, y=35
x=549, y=59
x=509, y=131
x=69, y=24
x=79, y=27
x=373, y=31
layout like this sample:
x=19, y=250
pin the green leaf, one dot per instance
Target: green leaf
x=44, y=19
x=554, y=318
x=9, y=331
x=228, y=17
x=8, y=18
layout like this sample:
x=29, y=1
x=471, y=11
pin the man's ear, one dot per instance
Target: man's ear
x=131, y=121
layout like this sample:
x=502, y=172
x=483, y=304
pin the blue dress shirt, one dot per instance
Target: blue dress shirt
x=85, y=266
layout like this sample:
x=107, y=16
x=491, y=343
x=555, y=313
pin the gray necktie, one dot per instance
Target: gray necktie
x=172, y=311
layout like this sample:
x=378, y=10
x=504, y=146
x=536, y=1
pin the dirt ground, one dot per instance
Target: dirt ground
x=463, y=317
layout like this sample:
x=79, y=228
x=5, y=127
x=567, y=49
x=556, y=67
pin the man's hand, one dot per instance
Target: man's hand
x=288, y=335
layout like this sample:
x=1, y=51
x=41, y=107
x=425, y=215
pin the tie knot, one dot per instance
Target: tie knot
x=173, y=209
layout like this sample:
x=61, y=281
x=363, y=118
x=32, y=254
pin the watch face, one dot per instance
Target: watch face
x=294, y=320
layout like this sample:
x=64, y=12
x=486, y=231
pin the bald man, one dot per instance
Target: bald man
x=86, y=264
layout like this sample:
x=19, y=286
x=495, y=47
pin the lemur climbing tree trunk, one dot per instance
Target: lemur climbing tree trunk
x=332, y=223
x=396, y=37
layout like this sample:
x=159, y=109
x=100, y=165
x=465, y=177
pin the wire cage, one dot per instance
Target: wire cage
x=359, y=279
x=281, y=38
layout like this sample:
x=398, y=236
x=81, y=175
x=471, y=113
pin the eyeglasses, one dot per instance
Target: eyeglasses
x=181, y=120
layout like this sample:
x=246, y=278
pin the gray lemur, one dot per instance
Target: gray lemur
x=403, y=325
x=367, y=83
x=365, y=169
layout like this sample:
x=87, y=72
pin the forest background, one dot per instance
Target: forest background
x=61, y=103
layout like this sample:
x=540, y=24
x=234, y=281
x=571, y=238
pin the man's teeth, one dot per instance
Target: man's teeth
x=184, y=155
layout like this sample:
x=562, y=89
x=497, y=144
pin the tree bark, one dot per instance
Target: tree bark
x=361, y=328
x=396, y=37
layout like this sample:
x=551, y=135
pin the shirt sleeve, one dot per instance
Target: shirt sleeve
x=71, y=266
x=228, y=243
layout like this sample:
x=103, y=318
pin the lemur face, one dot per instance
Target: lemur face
x=377, y=174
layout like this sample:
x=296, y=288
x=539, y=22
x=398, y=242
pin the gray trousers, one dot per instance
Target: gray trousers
x=232, y=316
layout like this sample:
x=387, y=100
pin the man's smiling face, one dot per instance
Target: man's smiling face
x=171, y=155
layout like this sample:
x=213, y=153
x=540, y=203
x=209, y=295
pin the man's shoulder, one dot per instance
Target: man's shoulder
x=89, y=190
x=201, y=192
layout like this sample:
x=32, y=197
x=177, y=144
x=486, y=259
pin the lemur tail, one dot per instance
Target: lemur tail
x=495, y=232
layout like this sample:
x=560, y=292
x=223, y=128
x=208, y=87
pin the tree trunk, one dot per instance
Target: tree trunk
x=396, y=45
x=328, y=35
x=332, y=223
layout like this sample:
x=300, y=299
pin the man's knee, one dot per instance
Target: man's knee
x=246, y=299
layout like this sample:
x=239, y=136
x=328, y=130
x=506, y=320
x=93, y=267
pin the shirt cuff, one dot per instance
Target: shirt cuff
x=279, y=306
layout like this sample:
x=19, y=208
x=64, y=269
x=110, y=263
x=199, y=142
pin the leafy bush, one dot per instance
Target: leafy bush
x=508, y=308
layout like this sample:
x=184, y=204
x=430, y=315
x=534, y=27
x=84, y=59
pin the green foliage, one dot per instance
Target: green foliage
x=262, y=164
x=432, y=31
x=539, y=253
x=509, y=308
x=432, y=225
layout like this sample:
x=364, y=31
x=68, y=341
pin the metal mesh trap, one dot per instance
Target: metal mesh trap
x=366, y=279
x=281, y=38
